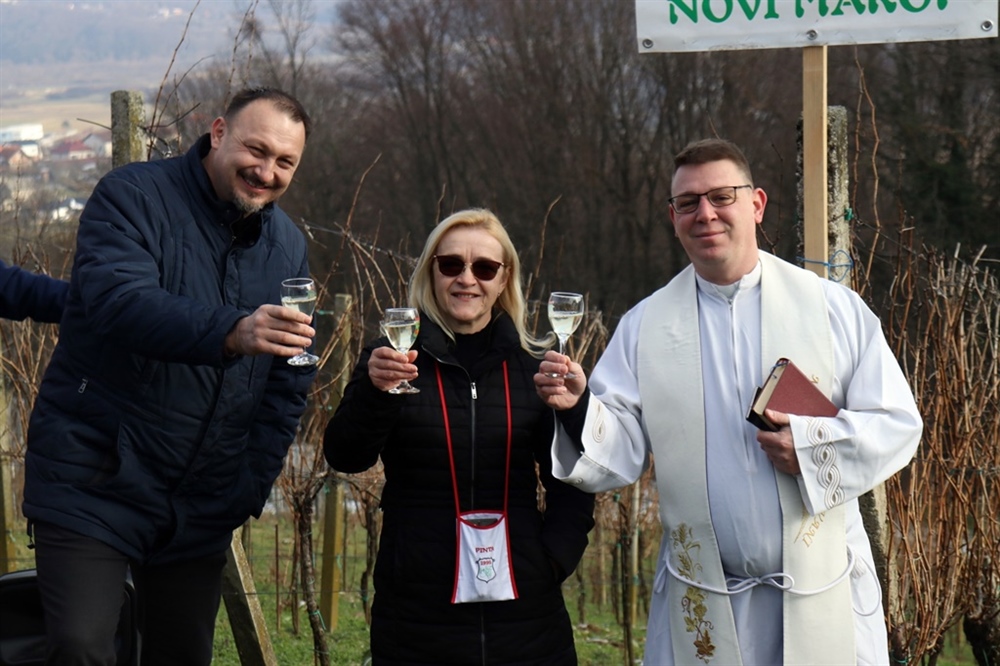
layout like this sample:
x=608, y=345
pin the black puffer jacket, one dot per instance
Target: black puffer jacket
x=144, y=435
x=413, y=621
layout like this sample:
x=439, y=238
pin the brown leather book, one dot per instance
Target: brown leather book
x=789, y=391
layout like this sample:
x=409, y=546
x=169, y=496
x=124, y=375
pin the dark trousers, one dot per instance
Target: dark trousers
x=81, y=581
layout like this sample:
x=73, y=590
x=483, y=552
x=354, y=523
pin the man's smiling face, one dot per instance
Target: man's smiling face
x=254, y=155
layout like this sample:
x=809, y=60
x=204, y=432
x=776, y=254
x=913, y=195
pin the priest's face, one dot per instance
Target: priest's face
x=718, y=229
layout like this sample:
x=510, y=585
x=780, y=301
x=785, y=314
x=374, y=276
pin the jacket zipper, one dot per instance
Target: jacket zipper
x=472, y=447
x=472, y=492
x=472, y=435
x=482, y=635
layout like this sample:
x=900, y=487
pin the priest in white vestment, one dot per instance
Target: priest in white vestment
x=764, y=558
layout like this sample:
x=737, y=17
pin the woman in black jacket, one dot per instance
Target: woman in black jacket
x=469, y=566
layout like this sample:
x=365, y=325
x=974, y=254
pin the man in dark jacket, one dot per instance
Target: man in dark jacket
x=168, y=406
x=24, y=294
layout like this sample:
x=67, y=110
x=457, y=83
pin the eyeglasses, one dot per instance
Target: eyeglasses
x=453, y=266
x=720, y=197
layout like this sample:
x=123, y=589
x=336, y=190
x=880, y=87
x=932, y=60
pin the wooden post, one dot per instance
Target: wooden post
x=633, y=556
x=8, y=551
x=836, y=231
x=602, y=567
x=246, y=617
x=128, y=117
x=838, y=182
x=872, y=504
x=333, y=513
x=814, y=175
x=331, y=581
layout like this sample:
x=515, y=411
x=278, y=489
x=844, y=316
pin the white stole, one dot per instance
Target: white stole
x=818, y=629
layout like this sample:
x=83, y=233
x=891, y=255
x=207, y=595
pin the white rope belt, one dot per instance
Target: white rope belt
x=780, y=580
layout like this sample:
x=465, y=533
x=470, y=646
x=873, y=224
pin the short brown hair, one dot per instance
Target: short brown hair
x=713, y=150
x=279, y=98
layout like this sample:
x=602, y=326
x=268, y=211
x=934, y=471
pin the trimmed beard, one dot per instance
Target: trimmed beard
x=247, y=206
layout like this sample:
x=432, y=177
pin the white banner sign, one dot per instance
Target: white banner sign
x=706, y=25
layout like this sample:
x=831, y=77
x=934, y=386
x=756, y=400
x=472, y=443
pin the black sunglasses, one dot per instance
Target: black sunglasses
x=453, y=266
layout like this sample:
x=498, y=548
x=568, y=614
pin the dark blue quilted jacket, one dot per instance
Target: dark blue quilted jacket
x=25, y=294
x=144, y=435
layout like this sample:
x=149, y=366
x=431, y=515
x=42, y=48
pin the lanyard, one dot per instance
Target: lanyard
x=451, y=452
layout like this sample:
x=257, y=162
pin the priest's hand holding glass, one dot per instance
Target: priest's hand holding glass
x=565, y=314
x=560, y=381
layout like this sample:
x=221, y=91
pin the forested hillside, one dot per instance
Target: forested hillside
x=545, y=112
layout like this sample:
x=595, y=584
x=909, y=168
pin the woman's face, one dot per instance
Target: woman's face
x=466, y=301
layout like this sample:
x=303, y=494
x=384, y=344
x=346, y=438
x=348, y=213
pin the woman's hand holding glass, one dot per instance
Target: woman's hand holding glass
x=401, y=326
x=387, y=367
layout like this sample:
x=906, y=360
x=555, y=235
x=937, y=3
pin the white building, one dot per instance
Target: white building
x=19, y=133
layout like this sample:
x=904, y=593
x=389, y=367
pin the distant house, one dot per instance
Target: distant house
x=72, y=150
x=66, y=210
x=99, y=142
x=13, y=157
x=30, y=148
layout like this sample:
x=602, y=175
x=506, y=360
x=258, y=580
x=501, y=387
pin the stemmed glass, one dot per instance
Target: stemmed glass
x=565, y=314
x=300, y=294
x=401, y=326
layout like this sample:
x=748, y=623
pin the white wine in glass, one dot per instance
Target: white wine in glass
x=565, y=315
x=300, y=294
x=401, y=326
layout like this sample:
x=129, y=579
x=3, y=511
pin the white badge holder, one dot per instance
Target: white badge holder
x=483, y=568
x=484, y=571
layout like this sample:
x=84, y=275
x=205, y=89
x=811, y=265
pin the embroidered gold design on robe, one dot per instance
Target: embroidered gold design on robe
x=693, y=601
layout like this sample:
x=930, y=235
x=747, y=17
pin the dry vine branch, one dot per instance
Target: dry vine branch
x=945, y=505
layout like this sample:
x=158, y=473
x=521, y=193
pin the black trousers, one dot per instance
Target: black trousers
x=81, y=581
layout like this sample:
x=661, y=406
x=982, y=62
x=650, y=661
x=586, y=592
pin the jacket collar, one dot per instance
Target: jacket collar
x=502, y=332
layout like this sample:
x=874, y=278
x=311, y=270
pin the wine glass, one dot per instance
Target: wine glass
x=300, y=294
x=565, y=314
x=401, y=326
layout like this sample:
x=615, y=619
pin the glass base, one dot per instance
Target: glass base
x=556, y=375
x=403, y=389
x=303, y=359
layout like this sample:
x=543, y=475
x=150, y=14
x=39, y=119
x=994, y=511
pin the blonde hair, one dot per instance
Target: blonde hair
x=510, y=300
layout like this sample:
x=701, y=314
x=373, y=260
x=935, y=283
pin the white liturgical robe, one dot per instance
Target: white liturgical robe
x=874, y=435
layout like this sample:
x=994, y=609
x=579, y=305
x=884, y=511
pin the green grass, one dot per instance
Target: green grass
x=599, y=636
x=347, y=643
x=599, y=641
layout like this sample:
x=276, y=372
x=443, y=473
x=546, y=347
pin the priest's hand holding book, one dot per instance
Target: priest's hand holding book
x=787, y=387
x=778, y=444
